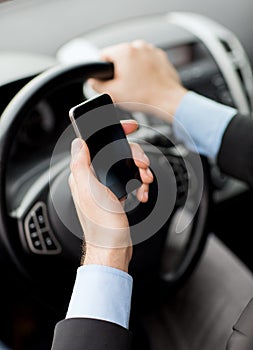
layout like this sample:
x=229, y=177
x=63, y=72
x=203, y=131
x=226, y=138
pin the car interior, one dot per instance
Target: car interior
x=199, y=259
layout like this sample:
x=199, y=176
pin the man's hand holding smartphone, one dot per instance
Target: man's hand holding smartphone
x=101, y=214
x=96, y=121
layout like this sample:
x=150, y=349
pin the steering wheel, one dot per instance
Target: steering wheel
x=33, y=234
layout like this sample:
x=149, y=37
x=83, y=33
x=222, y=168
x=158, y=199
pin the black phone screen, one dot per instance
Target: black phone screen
x=96, y=121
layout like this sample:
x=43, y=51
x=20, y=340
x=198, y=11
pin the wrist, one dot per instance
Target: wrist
x=118, y=258
x=168, y=101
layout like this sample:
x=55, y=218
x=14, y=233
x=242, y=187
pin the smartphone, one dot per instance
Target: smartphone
x=96, y=121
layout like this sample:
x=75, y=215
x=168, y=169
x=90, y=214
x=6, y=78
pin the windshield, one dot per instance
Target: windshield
x=43, y=26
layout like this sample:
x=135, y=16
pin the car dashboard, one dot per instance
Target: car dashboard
x=197, y=67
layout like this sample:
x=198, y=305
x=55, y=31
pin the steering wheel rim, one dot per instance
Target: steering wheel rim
x=11, y=121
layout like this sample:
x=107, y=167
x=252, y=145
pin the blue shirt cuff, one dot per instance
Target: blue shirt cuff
x=101, y=292
x=200, y=123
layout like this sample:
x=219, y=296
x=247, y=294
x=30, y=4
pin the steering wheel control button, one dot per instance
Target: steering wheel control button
x=49, y=241
x=32, y=234
x=31, y=226
x=39, y=235
x=37, y=244
x=40, y=215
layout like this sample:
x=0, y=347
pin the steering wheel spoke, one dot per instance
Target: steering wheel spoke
x=35, y=230
x=35, y=227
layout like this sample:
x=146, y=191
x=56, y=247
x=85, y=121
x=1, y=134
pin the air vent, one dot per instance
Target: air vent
x=227, y=52
x=226, y=45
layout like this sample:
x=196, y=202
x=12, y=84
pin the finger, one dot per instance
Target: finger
x=73, y=187
x=111, y=52
x=98, y=85
x=107, y=55
x=80, y=148
x=140, y=158
x=129, y=126
x=85, y=182
x=151, y=46
x=71, y=181
x=146, y=176
x=140, y=43
x=80, y=161
x=142, y=193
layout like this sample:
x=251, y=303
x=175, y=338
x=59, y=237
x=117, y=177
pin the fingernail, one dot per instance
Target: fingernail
x=149, y=173
x=76, y=146
x=129, y=121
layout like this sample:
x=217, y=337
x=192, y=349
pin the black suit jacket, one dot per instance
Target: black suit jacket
x=235, y=158
x=90, y=334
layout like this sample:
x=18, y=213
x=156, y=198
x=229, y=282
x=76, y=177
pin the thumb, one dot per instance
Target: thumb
x=80, y=160
x=100, y=86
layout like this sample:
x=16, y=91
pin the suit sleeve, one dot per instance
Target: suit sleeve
x=90, y=334
x=235, y=157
